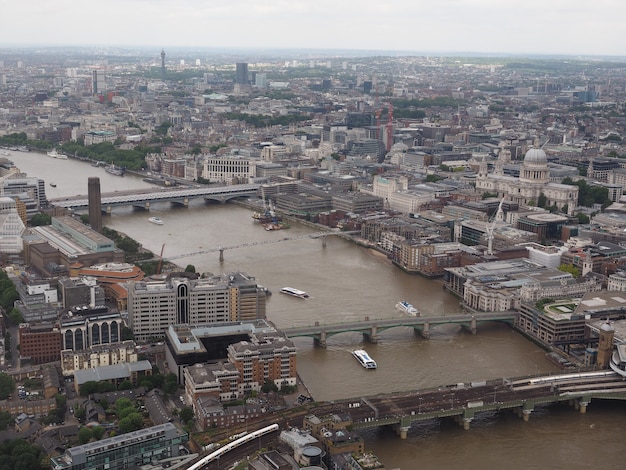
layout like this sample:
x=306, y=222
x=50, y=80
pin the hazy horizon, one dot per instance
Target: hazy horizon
x=401, y=27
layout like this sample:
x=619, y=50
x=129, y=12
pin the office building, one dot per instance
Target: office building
x=98, y=84
x=130, y=450
x=241, y=75
x=87, y=326
x=11, y=227
x=39, y=343
x=155, y=305
x=186, y=345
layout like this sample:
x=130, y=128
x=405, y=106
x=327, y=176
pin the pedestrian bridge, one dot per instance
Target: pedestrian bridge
x=370, y=328
x=142, y=199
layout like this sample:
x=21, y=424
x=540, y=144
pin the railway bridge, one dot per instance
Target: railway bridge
x=371, y=328
x=464, y=401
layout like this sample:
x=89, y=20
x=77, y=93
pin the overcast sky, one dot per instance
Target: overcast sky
x=423, y=26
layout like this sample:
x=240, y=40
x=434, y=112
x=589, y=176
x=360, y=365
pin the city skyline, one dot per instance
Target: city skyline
x=489, y=27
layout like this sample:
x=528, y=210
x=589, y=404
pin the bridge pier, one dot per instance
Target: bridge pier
x=402, y=431
x=582, y=406
x=221, y=255
x=109, y=209
x=424, y=332
x=323, y=241
x=181, y=202
x=321, y=340
x=473, y=325
x=525, y=411
x=372, y=336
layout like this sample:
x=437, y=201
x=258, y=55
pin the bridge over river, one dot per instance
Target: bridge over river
x=142, y=199
x=370, y=328
x=464, y=401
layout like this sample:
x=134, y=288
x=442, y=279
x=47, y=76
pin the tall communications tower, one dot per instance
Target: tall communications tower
x=163, y=64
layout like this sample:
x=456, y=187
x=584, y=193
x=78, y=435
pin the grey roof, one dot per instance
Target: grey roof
x=112, y=372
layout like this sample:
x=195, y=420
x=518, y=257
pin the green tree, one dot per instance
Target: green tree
x=190, y=268
x=269, y=386
x=5, y=420
x=84, y=435
x=582, y=218
x=130, y=423
x=127, y=334
x=125, y=385
x=80, y=413
x=186, y=414
x=542, y=200
x=433, y=178
x=170, y=384
x=123, y=403
x=7, y=386
x=569, y=268
x=16, y=316
x=40, y=219
x=97, y=432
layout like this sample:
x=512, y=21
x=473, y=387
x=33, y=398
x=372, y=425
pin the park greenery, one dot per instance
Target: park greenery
x=7, y=386
x=40, y=219
x=103, y=152
x=589, y=195
x=8, y=292
x=17, y=454
x=168, y=384
x=131, y=248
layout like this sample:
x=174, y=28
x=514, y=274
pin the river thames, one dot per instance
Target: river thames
x=348, y=282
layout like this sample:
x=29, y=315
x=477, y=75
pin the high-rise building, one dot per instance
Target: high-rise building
x=11, y=226
x=95, y=203
x=241, y=77
x=98, y=85
x=162, y=64
x=260, y=80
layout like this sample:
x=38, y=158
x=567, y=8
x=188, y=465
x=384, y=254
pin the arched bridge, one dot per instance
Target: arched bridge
x=142, y=199
x=371, y=328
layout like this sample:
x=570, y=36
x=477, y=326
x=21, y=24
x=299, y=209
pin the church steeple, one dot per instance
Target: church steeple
x=482, y=169
x=590, y=168
x=504, y=158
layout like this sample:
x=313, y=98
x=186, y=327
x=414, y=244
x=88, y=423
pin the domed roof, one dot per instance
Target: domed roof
x=535, y=155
